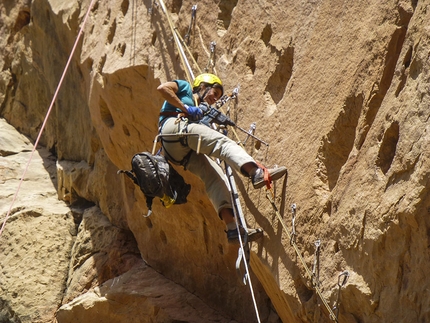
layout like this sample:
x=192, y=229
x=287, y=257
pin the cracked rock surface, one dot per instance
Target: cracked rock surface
x=340, y=91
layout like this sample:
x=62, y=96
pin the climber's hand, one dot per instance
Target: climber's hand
x=205, y=107
x=195, y=113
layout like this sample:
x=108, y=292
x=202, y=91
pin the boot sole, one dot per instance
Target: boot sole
x=275, y=177
x=251, y=237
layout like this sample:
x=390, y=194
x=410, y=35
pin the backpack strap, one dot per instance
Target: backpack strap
x=182, y=162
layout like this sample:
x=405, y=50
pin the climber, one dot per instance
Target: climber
x=182, y=100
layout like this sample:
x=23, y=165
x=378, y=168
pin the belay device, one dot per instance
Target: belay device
x=157, y=178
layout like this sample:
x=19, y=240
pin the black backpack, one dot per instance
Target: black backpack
x=157, y=178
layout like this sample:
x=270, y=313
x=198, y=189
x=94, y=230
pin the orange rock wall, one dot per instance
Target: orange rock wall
x=338, y=89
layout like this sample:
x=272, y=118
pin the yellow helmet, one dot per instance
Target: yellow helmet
x=206, y=78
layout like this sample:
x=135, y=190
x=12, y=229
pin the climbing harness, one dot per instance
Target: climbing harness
x=181, y=136
x=48, y=113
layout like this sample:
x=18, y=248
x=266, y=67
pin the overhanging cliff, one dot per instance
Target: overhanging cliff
x=338, y=89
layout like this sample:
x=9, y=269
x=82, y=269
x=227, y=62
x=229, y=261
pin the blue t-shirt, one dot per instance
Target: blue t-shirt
x=184, y=93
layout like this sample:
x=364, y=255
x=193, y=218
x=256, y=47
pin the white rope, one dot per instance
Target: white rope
x=184, y=60
x=189, y=53
x=249, y=278
x=242, y=248
x=181, y=49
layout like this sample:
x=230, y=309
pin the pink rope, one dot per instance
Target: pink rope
x=47, y=114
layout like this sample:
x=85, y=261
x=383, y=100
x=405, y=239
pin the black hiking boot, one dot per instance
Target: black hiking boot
x=274, y=173
x=253, y=234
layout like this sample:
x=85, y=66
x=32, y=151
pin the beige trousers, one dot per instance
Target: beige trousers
x=213, y=144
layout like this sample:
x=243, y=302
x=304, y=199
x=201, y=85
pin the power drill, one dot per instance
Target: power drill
x=212, y=115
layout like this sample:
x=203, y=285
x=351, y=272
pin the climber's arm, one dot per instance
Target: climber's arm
x=168, y=91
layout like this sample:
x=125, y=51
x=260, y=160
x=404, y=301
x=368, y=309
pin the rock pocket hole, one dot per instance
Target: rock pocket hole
x=105, y=114
x=226, y=8
x=163, y=237
x=148, y=223
x=403, y=77
x=125, y=130
x=112, y=31
x=379, y=90
x=278, y=81
x=154, y=38
x=176, y=6
x=388, y=147
x=338, y=143
x=266, y=34
x=22, y=20
x=124, y=7
x=250, y=62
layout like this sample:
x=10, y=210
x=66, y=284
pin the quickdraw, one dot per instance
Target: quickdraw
x=315, y=269
x=251, y=131
x=293, y=224
x=211, y=60
x=192, y=23
x=341, y=281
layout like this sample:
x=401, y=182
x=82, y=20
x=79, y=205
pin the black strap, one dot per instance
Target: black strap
x=182, y=162
x=202, y=97
x=167, y=115
x=182, y=140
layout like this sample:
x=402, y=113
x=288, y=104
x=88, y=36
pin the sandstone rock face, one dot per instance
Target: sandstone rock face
x=339, y=90
x=140, y=295
x=36, y=242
